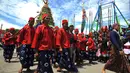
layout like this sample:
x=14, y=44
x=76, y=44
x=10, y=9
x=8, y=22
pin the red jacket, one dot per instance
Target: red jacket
x=90, y=43
x=26, y=35
x=77, y=44
x=63, y=38
x=55, y=34
x=83, y=44
x=44, y=38
x=8, y=39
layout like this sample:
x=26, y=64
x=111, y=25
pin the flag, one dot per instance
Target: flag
x=73, y=20
x=83, y=20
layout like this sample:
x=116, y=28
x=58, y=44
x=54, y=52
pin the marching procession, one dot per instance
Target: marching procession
x=66, y=48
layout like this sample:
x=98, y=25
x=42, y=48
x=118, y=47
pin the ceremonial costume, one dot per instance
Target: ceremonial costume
x=24, y=40
x=117, y=61
x=9, y=44
x=44, y=42
x=63, y=41
x=82, y=41
x=91, y=48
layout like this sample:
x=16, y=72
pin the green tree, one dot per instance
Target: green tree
x=46, y=10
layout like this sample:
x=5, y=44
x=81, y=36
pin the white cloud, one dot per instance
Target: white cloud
x=8, y=25
x=68, y=5
x=123, y=6
x=25, y=9
x=92, y=12
x=56, y=15
x=78, y=16
x=21, y=9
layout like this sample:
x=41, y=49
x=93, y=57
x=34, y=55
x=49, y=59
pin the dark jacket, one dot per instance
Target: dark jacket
x=115, y=40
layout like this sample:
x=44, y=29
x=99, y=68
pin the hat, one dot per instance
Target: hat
x=56, y=27
x=44, y=16
x=76, y=30
x=11, y=29
x=31, y=18
x=64, y=21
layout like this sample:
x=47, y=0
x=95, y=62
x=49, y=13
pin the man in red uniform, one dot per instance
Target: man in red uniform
x=44, y=42
x=77, y=46
x=9, y=44
x=82, y=41
x=63, y=42
x=25, y=38
x=55, y=51
x=91, y=48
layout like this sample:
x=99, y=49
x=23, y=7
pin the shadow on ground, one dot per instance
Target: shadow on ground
x=88, y=64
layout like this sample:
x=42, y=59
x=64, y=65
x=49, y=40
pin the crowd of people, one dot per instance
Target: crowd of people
x=64, y=48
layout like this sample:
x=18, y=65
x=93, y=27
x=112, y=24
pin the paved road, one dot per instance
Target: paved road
x=14, y=66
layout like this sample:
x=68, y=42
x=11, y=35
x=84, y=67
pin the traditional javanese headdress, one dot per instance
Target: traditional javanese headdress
x=31, y=19
x=11, y=29
x=76, y=30
x=56, y=27
x=64, y=21
x=44, y=16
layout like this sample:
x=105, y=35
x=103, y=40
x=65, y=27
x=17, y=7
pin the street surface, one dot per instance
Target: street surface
x=14, y=66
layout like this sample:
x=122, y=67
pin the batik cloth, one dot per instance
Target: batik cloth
x=44, y=65
x=8, y=51
x=26, y=54
x=66, y=62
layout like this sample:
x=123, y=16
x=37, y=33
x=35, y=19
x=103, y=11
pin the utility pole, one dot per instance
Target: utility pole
x=129, y=6
x=74, y=20
x=129, y=10
x=1, y=26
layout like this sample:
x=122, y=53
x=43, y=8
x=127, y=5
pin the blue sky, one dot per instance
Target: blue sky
x=15, y=13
